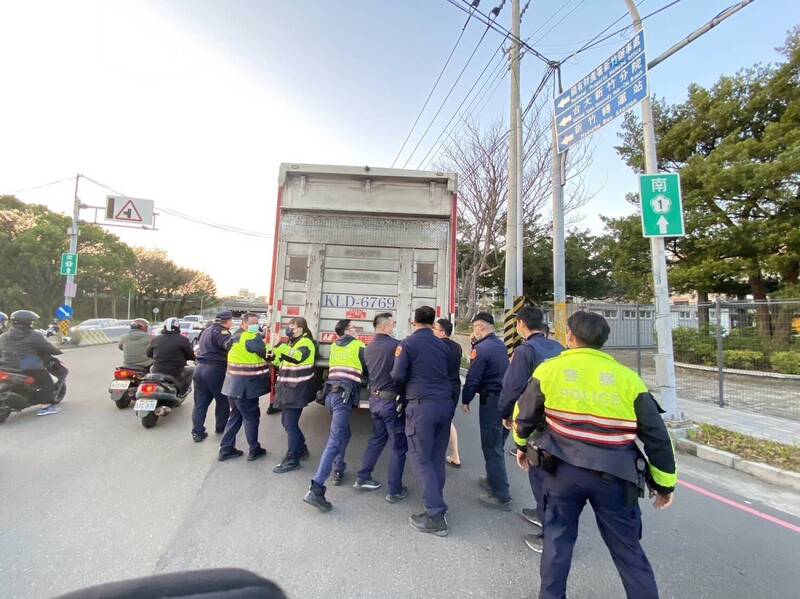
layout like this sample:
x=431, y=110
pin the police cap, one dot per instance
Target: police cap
x=484, y=316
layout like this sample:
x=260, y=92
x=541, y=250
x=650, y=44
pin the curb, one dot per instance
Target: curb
x=765, y=472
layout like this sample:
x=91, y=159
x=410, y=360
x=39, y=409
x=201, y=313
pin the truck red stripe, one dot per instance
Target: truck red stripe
x=453, y=254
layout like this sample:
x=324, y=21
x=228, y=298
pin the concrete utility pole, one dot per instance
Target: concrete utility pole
x=559, y=253
x=73, y=242
x=664, y=359
x=512, y=243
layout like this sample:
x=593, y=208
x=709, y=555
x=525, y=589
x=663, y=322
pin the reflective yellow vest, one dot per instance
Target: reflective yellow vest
x=294, y=374
x=344, y=363
x=245, y=363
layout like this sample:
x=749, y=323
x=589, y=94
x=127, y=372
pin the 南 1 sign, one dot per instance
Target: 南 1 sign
x=662, y=205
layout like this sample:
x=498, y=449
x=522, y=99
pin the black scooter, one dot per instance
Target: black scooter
x=18, y=390
x=158, y=395
x=126, y=381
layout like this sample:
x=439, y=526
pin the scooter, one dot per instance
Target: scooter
x=158, y=395
x=126, y=381
x=18, y=390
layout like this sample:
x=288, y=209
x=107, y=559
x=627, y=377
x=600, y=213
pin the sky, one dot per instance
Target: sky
x=195, y=103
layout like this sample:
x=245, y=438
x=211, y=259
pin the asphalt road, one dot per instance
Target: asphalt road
x=90, y=496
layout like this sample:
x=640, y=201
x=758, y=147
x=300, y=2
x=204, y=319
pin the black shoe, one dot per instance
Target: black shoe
x=338, y=477
x=424, y=523
x=495, y=502
x=227, y=454
x=396, y=497
x=534, y=542
x=198, y=437
x=273, y=410
x=255, y=454
x=318, y=501
x=304, y=455
x=531, y=516
x=286, y=465
x=219, y=431
x=366, y=485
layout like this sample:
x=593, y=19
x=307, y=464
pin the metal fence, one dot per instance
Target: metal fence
x=741, y=354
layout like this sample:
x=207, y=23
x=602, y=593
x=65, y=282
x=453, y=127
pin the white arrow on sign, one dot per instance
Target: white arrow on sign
x=567, y=139
x=564, y=101
x=566, y=120
x=662, y=223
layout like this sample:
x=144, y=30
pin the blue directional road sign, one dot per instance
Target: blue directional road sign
x=615, y=86
x=64, y=312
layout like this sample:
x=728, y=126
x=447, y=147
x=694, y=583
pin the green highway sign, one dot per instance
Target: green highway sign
x=662, y=206
x=69, y=264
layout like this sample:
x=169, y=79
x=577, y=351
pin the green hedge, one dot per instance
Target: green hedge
x=744, y=358
x=786, y=361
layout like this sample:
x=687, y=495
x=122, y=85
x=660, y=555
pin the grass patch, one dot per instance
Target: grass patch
x=782, y=456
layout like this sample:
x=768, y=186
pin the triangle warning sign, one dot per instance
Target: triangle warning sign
x=128, y=212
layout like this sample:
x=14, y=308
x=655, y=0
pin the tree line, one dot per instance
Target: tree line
x=32, y=239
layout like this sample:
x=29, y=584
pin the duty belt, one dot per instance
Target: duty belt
x=390, y=395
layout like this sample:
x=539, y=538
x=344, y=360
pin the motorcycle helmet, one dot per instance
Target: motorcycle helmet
x=140, y=324
x=171, y=325
x=24, y=318
x=3, y=318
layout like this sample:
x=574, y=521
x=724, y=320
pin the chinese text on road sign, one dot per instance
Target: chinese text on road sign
x=129, y=210
x=662, y=207
x=618, y=84
x=69, y=264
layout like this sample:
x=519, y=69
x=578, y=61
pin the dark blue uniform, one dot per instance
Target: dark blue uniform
x=536, y=349
x=209, y=375
x=488, y=364
x=454, y=368
x=386, y=424
x=421, y=367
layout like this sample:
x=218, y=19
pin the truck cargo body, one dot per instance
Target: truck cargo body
x=352, y=242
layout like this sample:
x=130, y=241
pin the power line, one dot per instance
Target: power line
x=41, y=186
x=430, y=94
x=551, y=17
x=187, y=217
x=489, y=22
x=452, y=88
x=557, y=23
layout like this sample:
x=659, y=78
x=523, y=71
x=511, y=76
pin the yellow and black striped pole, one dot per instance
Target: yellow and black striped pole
x=510, y=337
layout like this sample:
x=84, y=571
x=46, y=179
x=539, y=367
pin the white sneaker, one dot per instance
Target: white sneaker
x=47, y=410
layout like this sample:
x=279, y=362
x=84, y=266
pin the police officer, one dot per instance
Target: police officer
x=443, y=328
x=246, y=380
x=297, y=387
x=346, y=371
x=488, y=364
x=420, y=366
x=591, y=409
x=388, y=422
x=23, y=348
x=209, y=375
x=526, y=358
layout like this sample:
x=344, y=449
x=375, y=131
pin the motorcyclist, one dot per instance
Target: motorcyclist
x=23, y=348
x=134, y=345
x=3, y=322
x=170, y=351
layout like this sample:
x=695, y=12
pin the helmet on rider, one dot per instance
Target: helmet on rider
x=3, y=318
x=140, y=324
x=24, y=318
x=171, y=325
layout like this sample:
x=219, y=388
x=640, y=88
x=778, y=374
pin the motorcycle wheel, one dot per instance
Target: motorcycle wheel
x=123, y=403
x=150, y=420
x=61, y=394
x=4, y=414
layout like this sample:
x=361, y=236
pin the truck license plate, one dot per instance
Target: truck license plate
x=342, y=300
x=145, y=405
x=120, y=384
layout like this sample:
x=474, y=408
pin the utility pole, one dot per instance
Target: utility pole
x=664, y=359
x=512, y=214
x=73, y=242
x=520, y=199
x=559, y=252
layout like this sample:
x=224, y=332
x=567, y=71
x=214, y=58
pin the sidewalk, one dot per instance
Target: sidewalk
x=782, y=430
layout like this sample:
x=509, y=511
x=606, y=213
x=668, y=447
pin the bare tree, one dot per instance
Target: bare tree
x=479, y=156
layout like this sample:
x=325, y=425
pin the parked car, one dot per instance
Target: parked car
x=191, y=330
x=192, y=318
